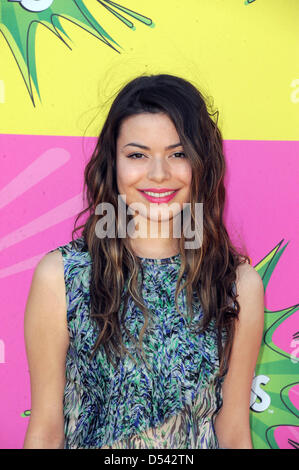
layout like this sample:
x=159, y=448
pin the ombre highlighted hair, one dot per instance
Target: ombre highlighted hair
x=210, y=271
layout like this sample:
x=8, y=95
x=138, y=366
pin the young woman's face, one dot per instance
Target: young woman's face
x=151, y=157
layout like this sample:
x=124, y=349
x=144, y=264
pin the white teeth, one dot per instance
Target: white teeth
x=159, y=194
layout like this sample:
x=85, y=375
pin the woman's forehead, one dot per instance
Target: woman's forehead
x=148, y=128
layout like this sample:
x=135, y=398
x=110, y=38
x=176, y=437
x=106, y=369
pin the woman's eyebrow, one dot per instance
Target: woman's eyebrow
x=134, y=144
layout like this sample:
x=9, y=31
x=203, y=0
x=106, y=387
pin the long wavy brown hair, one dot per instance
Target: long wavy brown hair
x=208, y=271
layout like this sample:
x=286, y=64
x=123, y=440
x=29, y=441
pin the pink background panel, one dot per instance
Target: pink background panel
x=41, y=192
x=282, y=435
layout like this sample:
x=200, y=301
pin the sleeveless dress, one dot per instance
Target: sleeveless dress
x=171, y=405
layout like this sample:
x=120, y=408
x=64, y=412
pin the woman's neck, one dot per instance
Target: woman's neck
x=153, y=239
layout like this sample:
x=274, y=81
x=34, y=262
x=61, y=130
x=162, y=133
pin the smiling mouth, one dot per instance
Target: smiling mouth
x=159, y=194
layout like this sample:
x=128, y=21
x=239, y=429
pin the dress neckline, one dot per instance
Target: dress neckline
x=159, y=261
x=174, y=259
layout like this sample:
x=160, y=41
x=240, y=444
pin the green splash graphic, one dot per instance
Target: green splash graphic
x=18, y=25
x=280, y=367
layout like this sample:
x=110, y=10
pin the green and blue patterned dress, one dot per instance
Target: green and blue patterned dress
x=171, y=405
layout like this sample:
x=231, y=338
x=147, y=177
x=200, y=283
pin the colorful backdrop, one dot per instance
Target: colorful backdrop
x=61, y=63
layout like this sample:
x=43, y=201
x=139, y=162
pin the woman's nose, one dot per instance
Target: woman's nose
x=159, y=170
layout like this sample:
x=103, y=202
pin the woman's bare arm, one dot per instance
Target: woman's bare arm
x=232, y=422
x=47, y=341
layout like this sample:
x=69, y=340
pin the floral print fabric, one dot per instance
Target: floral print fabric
x=173, y=403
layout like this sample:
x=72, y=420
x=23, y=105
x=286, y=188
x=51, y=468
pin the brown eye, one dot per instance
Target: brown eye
x=133, y=155
x=180, y=153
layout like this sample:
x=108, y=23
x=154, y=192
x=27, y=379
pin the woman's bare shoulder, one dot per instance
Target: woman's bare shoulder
x=250, y=291
x=247, y=275
x=47, y=288
x=51, y=264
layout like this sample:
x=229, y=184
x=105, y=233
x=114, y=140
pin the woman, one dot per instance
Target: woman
x=134, y=338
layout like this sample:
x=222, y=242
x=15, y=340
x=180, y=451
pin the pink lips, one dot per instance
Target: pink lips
x=158, y=190
x=159, y=199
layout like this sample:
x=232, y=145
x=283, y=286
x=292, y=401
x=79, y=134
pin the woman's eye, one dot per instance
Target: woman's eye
x=137, y=156
x=133, y=155
x=179, y=153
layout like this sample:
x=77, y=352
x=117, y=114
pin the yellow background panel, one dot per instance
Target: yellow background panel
x=244, y=56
